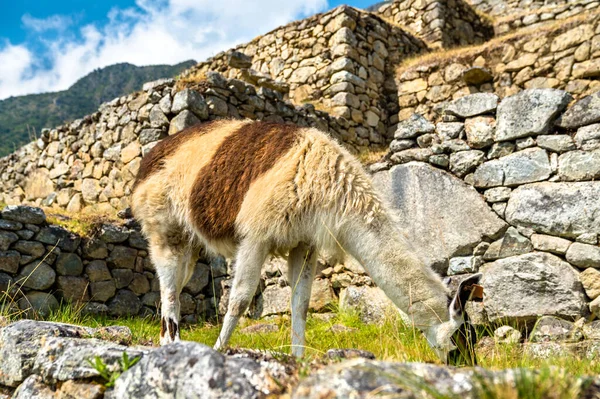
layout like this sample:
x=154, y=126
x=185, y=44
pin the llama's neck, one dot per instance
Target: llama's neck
x=397, y=270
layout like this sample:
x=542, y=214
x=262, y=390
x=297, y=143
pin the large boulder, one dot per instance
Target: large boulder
x=556, y=208
x=192, y=370
x=442, y=216
x=522, y=288
x=529, y=112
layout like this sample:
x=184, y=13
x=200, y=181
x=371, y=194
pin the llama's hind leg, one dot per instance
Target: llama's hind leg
x=174, y=266
x=248, y=262
x=302, y=263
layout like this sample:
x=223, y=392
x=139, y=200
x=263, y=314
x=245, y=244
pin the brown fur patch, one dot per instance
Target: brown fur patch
x=155, y=159
x=220, y=187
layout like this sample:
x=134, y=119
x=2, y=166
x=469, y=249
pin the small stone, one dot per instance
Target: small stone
x=102, y=291
x=122, y=277
x=401, y=145
x=587, y=238
x=476, y=76
x=464, y=162
x=480, y=131
x=552, y=244
x=192, y=101
x=473, y=105
x=584, y=112
x=588, y=137
x=449, y=130
x=37, y=276
x=148, y=136
x=497, y=194
x=38, y=304
x=413, y=127
x=6, y=239
x=182, y=121
x=512, y=244
x=464, y=264
x=69, y=264
x=261, y=328
x=237, y=59
x=556, y=143
x=113, y=234
x=500, y=150
x=579, y=165
x=590, y=279
x=507, y=335
x=583, y=255
x=125, y=303
x=9, y=262
x=73, y=289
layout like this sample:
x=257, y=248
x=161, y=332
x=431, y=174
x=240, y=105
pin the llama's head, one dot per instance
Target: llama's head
x=454, y=340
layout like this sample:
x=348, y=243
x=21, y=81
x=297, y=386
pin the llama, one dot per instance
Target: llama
x=246, y=189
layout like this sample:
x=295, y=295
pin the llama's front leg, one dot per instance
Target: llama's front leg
x=302, y=263
x=248, y=262
x=172, y=267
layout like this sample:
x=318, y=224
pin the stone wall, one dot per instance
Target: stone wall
x=510, y=188
x=92, y=162
x=535, y=18
x=564, y=57
x=504, y=7
x=110, y=273
x=339, y=61
x=441, y=23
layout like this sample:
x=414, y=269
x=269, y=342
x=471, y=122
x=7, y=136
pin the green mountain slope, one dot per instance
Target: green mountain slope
x=24, y=116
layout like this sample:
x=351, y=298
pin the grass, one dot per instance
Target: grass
x=84, y=224
x=493, y=49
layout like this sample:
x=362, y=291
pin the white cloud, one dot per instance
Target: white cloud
x=53, y=22
x=154, y=33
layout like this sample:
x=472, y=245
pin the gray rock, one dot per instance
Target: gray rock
x=464, y=264
x=413, y=127
x=102, y=291
x=125, y=303
x=217, y=106
x=122, y=277
x=192, y=370
x=583, y=255
x=464, y=162
x=192, y=101
x=113, y=234
x=32, y=248
x=237, y=59
x=584, y=112
x=113, y=153
x=473, y=105
x=56, y=235
x=592, y=330
x=431, y=206
x=20, y=343
x=401, y=145
x=10, y=225
x=529, y=112
x=521, y=288
x=182, y=121
x=38, y=304
x=449, y=130
x=158, y=118
x=499, y=150
x=512, y=244
x=69, y=264
x=480, y=131
x=72, y=288
x=579, y=165
x=556, y=142
x=158, y=84
x=507, y=335
x=587, y=238
x=588, y=137
x=526, y=166
x=95, y=249
x=33, y=388
x=497, y=194
x=148, y=136
x=23, y=214
x=9, y=262
x=6, y=239
x=552, y=329
x=547, y=243
x=65, y=358
x=199, y=279
x=477, y=76
x=276, y=300
x=122, y=257
x=555, y=208
x=37, y=276
x=372, y=305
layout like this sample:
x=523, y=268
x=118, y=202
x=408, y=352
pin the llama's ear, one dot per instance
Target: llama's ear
x=466, y=290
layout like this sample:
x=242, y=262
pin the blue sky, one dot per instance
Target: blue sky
x=46, y=45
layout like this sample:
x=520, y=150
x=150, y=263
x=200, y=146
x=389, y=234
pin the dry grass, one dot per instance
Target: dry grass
x=492, y=49
x=84, y=224
x=370, y=155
